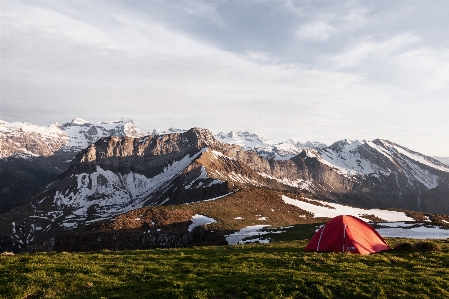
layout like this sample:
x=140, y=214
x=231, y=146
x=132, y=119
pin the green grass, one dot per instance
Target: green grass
x=275, y=270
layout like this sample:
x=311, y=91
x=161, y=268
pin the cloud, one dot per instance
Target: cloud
x=318, y=30
x=423, y=70
x=24, y=20
x=102, y=62
x=204, y=10
x=142, y=70
x=358, y=53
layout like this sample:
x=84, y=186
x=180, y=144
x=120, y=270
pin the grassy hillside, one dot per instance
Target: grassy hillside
x=275, y=270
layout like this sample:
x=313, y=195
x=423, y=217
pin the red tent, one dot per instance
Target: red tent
x=346, y=233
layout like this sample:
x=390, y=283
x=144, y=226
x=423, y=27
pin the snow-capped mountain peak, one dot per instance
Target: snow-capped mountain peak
x=381, y=158
x=168, y=131
x=266, y=148
x=21, y=138
x=79, y=121
x=244, y=139
x=83, y=133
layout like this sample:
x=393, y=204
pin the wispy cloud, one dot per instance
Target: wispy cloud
x=423, y=70
x=371, y=49
x=318, y=30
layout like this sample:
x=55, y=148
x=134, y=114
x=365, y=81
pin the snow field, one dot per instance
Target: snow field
x=338, y=209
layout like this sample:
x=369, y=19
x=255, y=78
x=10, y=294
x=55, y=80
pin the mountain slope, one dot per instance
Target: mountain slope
x=385, y=171
x=31, y=156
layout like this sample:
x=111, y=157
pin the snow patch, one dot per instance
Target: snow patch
x=412, y=231
x=198, y=220
x=249, y=231
x=320, y=211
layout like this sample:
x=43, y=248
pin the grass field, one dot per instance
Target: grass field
x=275, y=270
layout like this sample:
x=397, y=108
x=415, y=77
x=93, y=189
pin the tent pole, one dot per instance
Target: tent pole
x=319, y=240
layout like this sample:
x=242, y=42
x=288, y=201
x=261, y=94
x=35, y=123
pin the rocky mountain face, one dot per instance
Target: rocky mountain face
x=31, y=155
x=116, y=175
x=380, y=173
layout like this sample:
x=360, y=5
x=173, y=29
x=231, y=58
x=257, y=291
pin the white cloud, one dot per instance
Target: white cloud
x=318, y=30
x=423, y=70
x=21, y=19
x=203, y=9
x=152, y=73
x=124, y=63
x=356, y=54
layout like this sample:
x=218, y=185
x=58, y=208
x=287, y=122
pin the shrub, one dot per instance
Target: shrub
x=426, y=246
x=403, y=246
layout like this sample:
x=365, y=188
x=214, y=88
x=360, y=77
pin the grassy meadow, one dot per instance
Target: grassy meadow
x=276, y=270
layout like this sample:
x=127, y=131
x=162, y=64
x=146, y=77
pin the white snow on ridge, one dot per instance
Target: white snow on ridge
x=418, y=157
x=408, y=160
x=347, y=161
x=77, y=134
x=345, y=157
x=198, y=220
x=320, y=211
x=112, y=193
x=83, y=133
x=299, y=183
x=244, y=139
x=444, y=160
x=13, y=133
x=50, y=131
x=170, y=130
x=264, y=147
x=79, y=121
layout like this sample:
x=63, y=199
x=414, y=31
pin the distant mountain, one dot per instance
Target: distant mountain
x=444, y=160
x=264, y=147
x=22, y=139
x=31, y=155
x=169, y=131
x=116, y=175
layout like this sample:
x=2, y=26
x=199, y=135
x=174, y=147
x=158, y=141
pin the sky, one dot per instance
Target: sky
x=302, y=70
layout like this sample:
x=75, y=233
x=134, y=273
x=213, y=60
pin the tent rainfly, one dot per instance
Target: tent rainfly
x=347, y=233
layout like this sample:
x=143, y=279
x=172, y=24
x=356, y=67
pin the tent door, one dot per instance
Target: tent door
x=319, y=240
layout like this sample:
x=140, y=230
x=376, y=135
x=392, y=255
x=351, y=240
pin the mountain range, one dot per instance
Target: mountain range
x=68, y=178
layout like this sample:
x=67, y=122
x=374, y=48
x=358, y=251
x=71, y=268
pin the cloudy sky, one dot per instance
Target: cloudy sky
x=305, y=70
